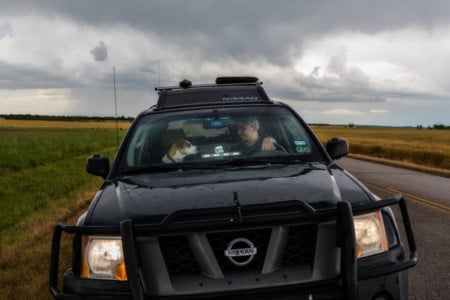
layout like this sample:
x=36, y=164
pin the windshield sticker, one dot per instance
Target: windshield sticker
x=218, y=149
x=223, y=154
x=300, y=143
x=216, y=123
x=302, y=147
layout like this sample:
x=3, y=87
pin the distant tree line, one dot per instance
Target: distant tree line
x=353, y=125
x=435, y=126
x=63, y=118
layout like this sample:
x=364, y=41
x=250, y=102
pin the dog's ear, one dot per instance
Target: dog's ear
x=182, y=145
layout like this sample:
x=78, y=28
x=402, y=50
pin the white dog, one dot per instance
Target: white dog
x=178, y=151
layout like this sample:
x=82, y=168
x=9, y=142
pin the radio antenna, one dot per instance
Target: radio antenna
x=115, y=104
x=159, y=75
x=157, y=63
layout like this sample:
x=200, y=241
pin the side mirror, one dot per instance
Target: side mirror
x=98, y=165
x=337, y=148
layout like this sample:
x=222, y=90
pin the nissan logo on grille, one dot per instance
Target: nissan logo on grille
x=240, y=251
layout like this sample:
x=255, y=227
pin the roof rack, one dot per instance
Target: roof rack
x=220, y=81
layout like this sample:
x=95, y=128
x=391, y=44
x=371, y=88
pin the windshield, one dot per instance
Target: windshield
x=218, y=138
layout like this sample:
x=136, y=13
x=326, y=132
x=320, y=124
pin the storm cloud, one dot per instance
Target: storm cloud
x=326, y=57
x=100, y=52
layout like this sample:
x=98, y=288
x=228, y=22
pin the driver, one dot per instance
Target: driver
x=251, y=141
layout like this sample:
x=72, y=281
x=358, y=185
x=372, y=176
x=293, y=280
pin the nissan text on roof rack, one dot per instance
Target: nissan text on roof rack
x=218, y=192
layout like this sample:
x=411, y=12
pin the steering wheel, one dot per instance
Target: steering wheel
x=278, y=147
x=278, y=151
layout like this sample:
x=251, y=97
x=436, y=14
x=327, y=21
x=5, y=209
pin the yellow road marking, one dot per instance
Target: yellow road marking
x=422, y=200
x=433, y=204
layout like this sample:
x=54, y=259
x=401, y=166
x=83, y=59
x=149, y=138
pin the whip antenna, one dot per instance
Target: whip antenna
x=115, y=104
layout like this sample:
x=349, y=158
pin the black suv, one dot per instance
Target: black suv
x=219, y=192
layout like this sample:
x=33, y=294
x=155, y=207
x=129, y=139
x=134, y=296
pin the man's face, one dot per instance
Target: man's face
x=248, y=133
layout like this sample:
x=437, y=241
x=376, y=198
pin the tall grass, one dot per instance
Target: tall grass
x=39, y=166
x=22, y=148
x=42, y=181
x=426, y=147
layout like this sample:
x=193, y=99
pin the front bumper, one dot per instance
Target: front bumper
x=354, y=280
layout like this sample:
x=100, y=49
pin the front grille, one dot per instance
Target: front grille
x=299, y=251
x=219, y=242
x=301, y=245
x=178, y=255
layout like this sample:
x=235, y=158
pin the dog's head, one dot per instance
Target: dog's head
x=184, y=147
x=179, y=150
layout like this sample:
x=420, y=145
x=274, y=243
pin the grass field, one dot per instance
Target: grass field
x=62, y=124
x=43, y=181
x=424, y=149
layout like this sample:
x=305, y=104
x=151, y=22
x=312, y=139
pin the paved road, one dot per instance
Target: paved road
x=428, y=199
x=421, y=185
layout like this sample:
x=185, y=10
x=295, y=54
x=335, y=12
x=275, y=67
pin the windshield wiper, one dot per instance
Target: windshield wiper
x=151, y=169
x=251, y=162
x=237, y=163
x=284, y=160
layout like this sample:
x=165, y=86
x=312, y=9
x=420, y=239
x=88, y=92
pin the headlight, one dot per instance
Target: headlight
x=102, y=258
x=370, y=234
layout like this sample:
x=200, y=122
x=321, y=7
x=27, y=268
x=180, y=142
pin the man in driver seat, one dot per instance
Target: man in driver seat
x=251, y=142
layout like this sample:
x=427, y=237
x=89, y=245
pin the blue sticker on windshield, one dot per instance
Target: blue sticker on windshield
x=302, y=147
x=300, y=143
x=216, y=123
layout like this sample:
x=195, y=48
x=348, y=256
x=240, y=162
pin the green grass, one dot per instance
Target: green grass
x=42, y=181
x=22, y=148
x=34, y=190
x=38, y=167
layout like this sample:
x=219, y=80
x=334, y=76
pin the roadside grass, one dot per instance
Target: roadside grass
x=34, y=190
x=426, y=149
x=25, y=261
x=25, y=148
x=25, y=240
x=42, y=182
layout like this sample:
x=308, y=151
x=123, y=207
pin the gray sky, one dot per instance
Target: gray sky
x=364, y=62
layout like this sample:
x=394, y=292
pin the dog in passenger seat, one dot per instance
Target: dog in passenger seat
x=178, y=151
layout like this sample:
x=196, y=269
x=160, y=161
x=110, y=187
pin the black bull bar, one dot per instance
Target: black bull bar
x=343, y=215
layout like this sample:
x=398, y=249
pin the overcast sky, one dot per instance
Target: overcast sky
x=363, y=62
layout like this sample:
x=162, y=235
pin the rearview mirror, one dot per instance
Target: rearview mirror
x=98, y=165
x=337, y=148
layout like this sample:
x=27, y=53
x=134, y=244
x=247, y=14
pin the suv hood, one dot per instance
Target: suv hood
x=319, y=188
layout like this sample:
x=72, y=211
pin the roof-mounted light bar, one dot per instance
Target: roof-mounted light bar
x=220, y=81
x=237, y=80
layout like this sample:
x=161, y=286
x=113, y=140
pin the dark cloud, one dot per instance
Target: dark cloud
x=335, y=81
x=273, y=31
x=100, y=52
x=171, y=16
x=204, y=38
x=23, y=76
